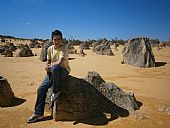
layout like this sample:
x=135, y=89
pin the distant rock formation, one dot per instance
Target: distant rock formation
x=11, y=46
x=7, y=49
x=25, y=51
x=34, y=44
x=43, y=55
x=15, y=40
x=81, y=53
x=8, y=53
x=71, y=49
x=102, y=48
x=89, y=97
x=94, y=44
x=138, y=52
x=84, y=46
x=6, y=93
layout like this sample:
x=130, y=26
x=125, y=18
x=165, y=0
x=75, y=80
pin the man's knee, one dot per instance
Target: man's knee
x=41, y=90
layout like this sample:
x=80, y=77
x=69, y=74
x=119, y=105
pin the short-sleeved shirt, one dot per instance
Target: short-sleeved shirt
x=54, y=54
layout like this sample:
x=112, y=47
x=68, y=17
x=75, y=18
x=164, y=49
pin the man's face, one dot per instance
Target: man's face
x=57, y=40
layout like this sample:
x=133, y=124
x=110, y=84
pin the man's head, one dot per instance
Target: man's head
x=57, y=38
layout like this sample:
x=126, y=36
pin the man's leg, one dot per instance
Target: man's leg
x=41, y=96
x=40, y=102
x=58, y=74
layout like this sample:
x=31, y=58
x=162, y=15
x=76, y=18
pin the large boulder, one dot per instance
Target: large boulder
x=43, y=55
x=6, y=93
x=89, y=97
x=138, y=52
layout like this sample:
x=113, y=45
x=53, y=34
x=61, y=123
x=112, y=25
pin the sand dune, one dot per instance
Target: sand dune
x=151, y=87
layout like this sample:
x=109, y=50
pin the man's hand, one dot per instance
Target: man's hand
x=47, y=68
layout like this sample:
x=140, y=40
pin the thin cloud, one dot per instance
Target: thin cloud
x=26, y=23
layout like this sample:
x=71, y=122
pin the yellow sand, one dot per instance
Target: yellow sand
x=151, y=87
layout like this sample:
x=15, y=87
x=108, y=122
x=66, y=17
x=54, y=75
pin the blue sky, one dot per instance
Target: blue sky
x=86, y=19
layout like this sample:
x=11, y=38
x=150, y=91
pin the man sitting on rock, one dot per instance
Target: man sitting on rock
x=57, y=70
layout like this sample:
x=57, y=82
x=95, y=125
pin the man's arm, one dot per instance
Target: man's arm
x=47, y=67
x=59, y=62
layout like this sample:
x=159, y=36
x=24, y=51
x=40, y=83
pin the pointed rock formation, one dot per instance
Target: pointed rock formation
x=138, y=52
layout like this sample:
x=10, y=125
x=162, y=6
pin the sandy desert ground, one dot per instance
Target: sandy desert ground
x=151, y=87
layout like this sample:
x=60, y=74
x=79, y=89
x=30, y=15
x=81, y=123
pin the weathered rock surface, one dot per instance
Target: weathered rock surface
x=6, y=93
x=84, y=46
x=102, y=49
x=8, y=53
x=138, y=52
x=71, y=49
x=25, y=51
x=43, y=55
x=91, y=96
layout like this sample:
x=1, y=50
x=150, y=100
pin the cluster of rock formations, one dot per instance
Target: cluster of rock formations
x=9, y=48
x=137, y=52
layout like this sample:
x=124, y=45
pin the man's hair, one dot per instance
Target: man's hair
x=56, y=32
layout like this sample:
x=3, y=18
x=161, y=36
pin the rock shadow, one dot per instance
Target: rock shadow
x=15, y=102
x=139, y=104
x=159, y=64
x=71, y=58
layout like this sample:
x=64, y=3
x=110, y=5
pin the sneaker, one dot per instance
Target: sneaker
x=55, y=96
x=34, y=118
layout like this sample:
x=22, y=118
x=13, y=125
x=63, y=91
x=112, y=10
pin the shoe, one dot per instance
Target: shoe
x=55, y=96
x=34, y=118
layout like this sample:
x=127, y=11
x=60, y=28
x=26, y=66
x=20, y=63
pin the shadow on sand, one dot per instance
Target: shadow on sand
x=103, y=119
x=159, y=64
x=15, y=102
x=139, y=104
x=71, y=58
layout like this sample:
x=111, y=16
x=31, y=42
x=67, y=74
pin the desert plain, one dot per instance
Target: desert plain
x=151, y=87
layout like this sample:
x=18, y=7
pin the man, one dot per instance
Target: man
x=57, y=69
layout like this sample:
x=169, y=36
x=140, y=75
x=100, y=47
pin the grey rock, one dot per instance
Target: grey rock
x=138, y=52
x=84, y=46
x=25, y=52
x=43, y=55
x=70, y=47
x=102, y=48
x=89, y=97
x=8, y=53
x=6, y=93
